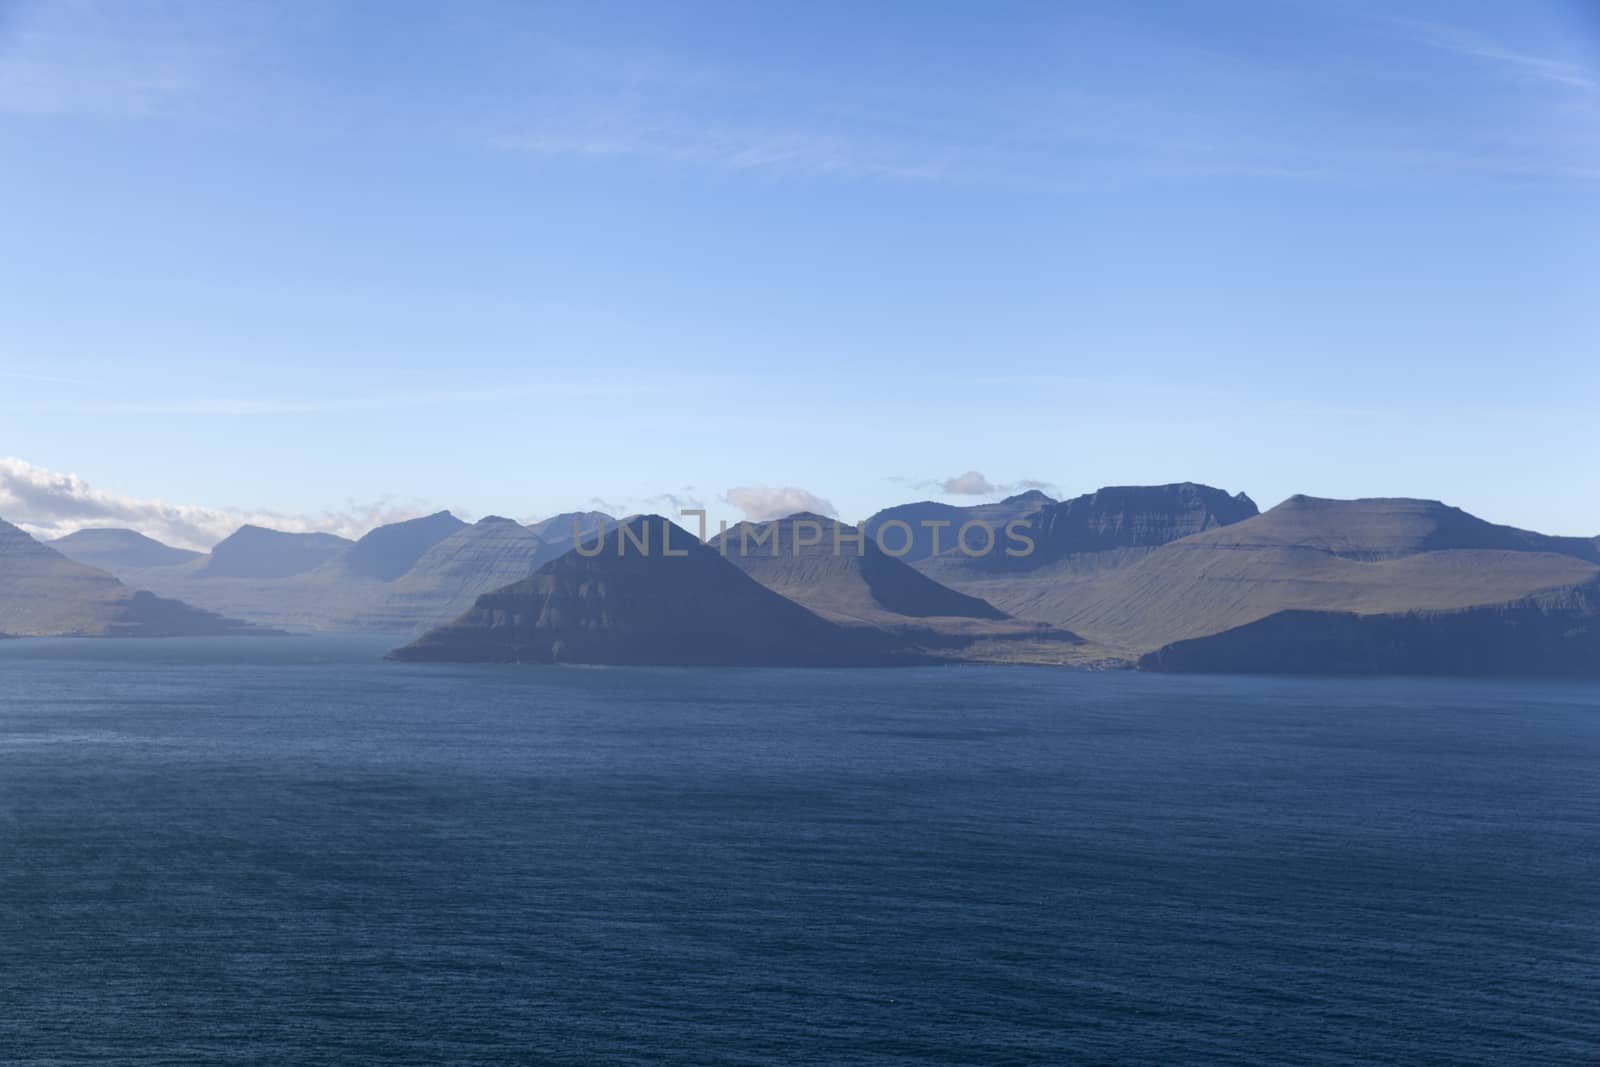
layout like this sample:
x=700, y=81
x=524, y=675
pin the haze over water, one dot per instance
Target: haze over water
x=276, y=850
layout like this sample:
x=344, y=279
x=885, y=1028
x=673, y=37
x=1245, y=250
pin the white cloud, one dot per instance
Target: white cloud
x=972, y=483
x=761, y=502
x=51, y=504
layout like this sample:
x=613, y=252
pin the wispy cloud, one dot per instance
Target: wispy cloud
x=47, y=379
x=332, y=401
x=1452, y=39
x=739, y=149
x=1038, y=137
x=1213, y=113
x=672, y=504
x=51, y=504
x=81, y=57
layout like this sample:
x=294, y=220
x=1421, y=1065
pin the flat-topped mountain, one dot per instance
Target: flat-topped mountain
x=624, y=605
x=1083, y=540
x=1136, y=516
x=112, y=549
x=1365, y=557
x=1105, y=528
x=43, y=593
x=257, y=552
x=1390, y=527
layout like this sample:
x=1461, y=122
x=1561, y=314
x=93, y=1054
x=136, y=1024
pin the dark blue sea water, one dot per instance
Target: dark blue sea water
x=277, y=851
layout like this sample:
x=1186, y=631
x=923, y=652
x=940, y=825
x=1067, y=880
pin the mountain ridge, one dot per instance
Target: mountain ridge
x=110, y=547
x=1173, y=577
x=45, y=593
x=1370, y=556
x=254, y=551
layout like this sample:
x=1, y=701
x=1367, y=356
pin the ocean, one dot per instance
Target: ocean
x=259, y=850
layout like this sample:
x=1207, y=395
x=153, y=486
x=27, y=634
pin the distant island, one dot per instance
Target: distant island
x=1180, y=577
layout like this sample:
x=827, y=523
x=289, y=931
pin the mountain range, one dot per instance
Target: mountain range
x=44, y=593
x=399, y=578
x=1182, y=577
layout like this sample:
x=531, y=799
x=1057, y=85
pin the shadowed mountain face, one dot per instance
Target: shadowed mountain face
x=1554, y=634
x=256, y=552
x=844, y=581
x=42, y=593
x=1366, y=557
x=115, y=550
x=1136, y=516
x=491, y=553
x=627, y=605
x=387, y=552
x=1115, y=525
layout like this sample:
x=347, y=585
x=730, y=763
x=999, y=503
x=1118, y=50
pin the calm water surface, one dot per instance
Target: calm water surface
x=278, y=851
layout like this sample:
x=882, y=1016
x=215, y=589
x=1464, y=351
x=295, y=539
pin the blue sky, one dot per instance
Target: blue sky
x=342, y=261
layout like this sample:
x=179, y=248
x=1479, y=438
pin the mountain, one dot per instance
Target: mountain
x=1551, y=634
x=1081, y=541
x=855, y=582
x=1106, y=528
x=43, y=593
x=115, y=550
x=1099, y=530
x=1391, y=527
x=386, y=552
x=625, y=605
x=1132, y=516
x=920, y=543
x=559, y=529
x=866, y=587
x=1366, y=557
x=450, y=575
x=257, y=552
